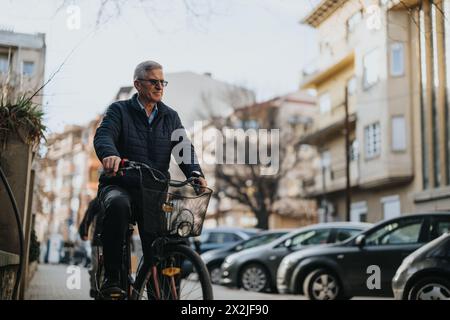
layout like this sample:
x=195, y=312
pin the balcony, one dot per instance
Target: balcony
x=335, y=179
x=328, y=126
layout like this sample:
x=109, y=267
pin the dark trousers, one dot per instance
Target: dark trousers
x=120, y=207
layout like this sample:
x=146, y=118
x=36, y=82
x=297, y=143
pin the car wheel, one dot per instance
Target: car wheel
x=215, y=273
x=430, y=288
x=254, y=277
x=322, y=284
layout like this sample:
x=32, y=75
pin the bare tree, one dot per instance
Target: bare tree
x=248, y=183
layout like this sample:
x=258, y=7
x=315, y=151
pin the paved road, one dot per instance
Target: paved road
x=60, y=282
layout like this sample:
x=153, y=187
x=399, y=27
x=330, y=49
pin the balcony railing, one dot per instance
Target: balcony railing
x=334, y=178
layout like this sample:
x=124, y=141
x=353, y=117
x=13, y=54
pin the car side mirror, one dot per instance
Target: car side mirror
x=238, y=248
x=288, y=243
x=360, y=240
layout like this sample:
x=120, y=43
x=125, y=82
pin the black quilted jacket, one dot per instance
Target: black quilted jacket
x=126, y=133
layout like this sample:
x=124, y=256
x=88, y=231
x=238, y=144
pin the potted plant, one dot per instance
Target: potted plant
x=21, y=130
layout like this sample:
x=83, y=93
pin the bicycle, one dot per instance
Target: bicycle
x=175, y=270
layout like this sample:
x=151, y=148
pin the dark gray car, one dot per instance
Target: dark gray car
x=425, y=273
x=362, y=266
x=255, y=269
x=220, y=237
x=214, y=258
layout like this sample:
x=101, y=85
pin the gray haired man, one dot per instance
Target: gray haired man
x=139, y=129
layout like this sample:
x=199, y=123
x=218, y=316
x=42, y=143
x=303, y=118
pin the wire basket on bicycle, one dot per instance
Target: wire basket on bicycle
x=178, y=212
x=170, y=207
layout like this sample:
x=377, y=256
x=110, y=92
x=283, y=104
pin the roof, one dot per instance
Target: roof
x=23, y=40
x=322, y=11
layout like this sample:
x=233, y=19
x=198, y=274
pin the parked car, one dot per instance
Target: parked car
x=214, y=258
x=255, y=269
x=222, y=236
x=425, y=273
x=343, y=270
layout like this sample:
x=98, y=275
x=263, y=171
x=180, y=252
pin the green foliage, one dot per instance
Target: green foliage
x=23, y=118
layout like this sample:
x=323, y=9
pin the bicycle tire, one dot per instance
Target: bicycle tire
x=173, y=252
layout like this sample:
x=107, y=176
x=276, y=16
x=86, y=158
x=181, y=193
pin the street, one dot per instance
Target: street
x=51, y=283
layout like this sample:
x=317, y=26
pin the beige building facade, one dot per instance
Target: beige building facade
x=384, y=60
x=22, y=63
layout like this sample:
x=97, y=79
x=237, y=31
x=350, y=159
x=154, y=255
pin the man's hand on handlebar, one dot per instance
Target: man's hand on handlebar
x=202, y=183
x=111, y=165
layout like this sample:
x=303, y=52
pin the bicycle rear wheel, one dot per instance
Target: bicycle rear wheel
x=179, y=275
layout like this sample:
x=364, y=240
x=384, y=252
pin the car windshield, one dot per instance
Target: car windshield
x=311, y=237
x=399, y=232
x=260, y=240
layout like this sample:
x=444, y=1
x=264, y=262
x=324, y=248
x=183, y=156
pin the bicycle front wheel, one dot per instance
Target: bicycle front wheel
x=179, y=275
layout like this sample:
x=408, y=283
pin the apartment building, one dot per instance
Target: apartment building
x=385, y=62
x=22, y=61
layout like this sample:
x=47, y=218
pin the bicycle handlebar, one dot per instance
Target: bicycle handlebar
x=126, y=164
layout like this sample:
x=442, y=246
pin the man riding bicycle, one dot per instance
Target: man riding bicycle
x=139, y=129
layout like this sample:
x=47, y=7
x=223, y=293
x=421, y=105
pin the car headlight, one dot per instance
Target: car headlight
x=227, y=262
x=407, y=261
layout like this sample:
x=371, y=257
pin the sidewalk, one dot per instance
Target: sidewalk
x=50, y=283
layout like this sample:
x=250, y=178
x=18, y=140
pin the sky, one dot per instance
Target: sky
x=259, y=44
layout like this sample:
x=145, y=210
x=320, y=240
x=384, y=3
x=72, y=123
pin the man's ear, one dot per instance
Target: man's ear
x=137, y=85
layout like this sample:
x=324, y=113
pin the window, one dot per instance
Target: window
x=397, y=59
x=353, y=22
x=28, y=68
x=311, y=237
x=354, y=150
x=439, y=226
x=399, y=232
x=373, y=140
x=344, y=234
x=391, y=207
x=443, y=227
x=398, y=133
x=371, y=69
x=257, y=241
x=325, y=159
x=351, y=86
x=325, y=46
x=4, y=63
x=325, y=103
x=248, y=124
x=358, y=211
x=222, y=237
